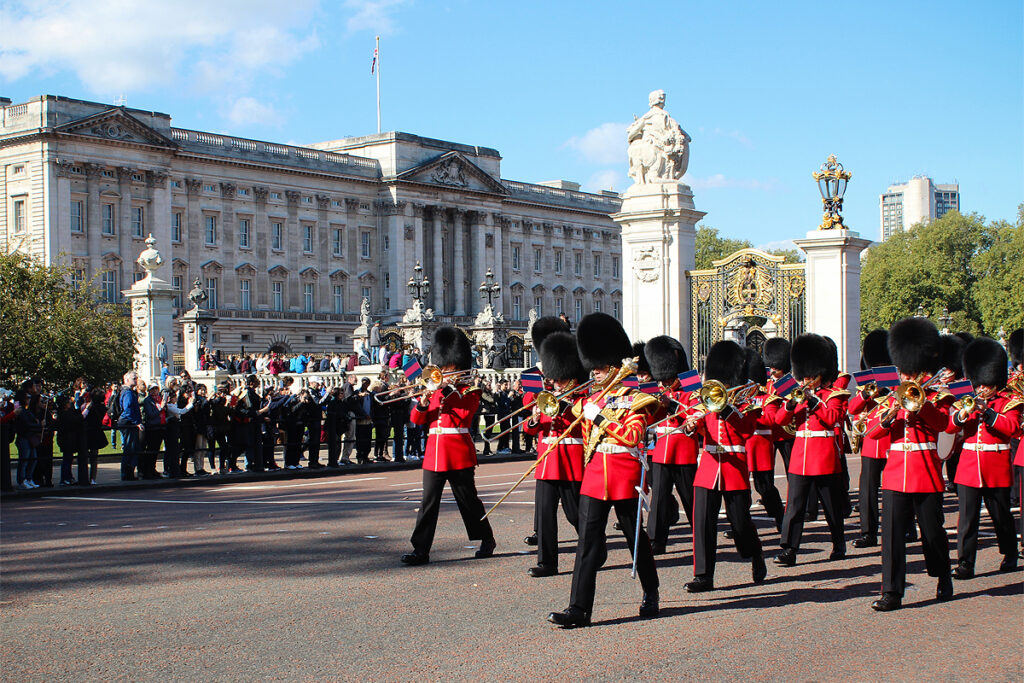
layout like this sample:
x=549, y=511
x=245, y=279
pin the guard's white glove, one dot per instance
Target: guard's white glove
x=591, y=411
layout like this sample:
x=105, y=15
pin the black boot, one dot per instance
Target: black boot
x=487, y=547
x=649, y=605
x=758, y=570
x=700, y=584
x=865, y=541
x=944, y=591
x=414, y=558
x=570, y=617
x=787, y=558
x=887, y=603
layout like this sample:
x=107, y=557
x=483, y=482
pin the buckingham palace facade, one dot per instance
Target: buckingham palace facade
x=288, y=240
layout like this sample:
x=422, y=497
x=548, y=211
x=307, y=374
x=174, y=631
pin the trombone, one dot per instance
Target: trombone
x=546, y=401
x=910, y=394
x=713, y=397
x=430, y=380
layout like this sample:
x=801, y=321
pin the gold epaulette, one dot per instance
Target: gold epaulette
x=643, y=402
x=1013, y=403
x=841, y=393
x=941, y=395
x=771, y=398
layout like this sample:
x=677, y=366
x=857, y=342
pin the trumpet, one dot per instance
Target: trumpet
x=966, y=404
x=713, y=398
x=430, y=380
x=547, y=402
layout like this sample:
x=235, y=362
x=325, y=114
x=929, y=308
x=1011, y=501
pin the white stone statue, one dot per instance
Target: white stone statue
x=364, y=313
x=659, y=150
x=418, y=313
x=150, y=259
x=489, y=317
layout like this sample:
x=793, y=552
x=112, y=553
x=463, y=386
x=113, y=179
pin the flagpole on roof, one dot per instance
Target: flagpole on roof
x=376, y=54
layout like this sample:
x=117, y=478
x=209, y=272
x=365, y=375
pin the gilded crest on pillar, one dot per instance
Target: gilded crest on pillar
x=750, y=287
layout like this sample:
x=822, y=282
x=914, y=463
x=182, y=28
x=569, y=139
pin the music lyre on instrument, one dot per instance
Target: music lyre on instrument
x=546, y=401
x=431, y=379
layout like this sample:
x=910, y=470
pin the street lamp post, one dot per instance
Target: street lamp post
x=419, y=286
x=921, y=313
x=489, y=289
x=945, y=319
x=832, y=180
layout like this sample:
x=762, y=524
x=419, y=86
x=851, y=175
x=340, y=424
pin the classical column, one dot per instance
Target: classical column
x=352, y=233
x=126, y=248
x=292, y=247
x=193, y=228
x=158, y=222
x=419, y=240
x=94, y=220
x=501, y=268
x=395, y=229
x=261, y=234
x=479, y=232
x=437, y=252
x=833, y=289
x=324, y=302
x=459, y=262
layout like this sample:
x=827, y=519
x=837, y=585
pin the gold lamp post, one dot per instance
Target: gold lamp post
x=832, y=179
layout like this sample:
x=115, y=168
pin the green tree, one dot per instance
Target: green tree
x=789, y=255
x=710, y=247
x=931, y=265
x=51, y=330
x=999, y=288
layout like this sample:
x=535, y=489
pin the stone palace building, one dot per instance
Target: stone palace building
x=286, y=240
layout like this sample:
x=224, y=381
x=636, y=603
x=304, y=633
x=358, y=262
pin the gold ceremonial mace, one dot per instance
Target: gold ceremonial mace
x=629, y=366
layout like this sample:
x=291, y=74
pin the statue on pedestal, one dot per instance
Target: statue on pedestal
x=150, y=259
x=364, y=313
x=659, y=150
x=197, y=295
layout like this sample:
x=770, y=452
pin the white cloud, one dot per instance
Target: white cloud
x=605, y=180
x=718, y=181
x=736, y=135
x=246, y=111
x=605, y=144
x=374, y=16
x=123, y=45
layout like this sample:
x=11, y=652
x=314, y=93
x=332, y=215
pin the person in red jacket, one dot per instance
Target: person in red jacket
x=761, y=444
x=722, y=473
x=450, y=455
x=816, y=457
x=560, y=469
x=985, y=470
x=1015, y=346
x=777, y=360
x=912, y=485
x=613, y=426
x=674, y=456
x=873, y=452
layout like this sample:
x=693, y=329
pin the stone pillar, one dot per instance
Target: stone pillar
x=292, y=246
x=478, y=255
x=419, y=238
x=437, y=272
x=123, y=229
x=833, y=289
x=394, y=227
x=502, y=270
x=261, y=240
x=151, y=301
x=159, y=222
x=193, y=228
x=459, y=269
x=658, y=232
x=94, y=218
x=324, y=300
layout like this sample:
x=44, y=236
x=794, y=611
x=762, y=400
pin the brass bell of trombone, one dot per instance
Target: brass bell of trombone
x=910, y=395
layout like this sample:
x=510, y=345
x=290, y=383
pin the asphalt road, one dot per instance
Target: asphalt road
x=300, y=580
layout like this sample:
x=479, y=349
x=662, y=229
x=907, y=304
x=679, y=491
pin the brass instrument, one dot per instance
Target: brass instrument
x=547, y=402
x=431, y=380
x=858, y=429
x=910, y=394
x=871, y=390
x=965, y=405
x=629, y=366
x=713, y=398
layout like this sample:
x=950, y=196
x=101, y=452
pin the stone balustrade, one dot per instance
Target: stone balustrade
x=334, y=379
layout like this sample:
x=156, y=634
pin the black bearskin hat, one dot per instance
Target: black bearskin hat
x=914, y=346
x=1016, y=346
x=561, y=359
x=642, y=365
x=451, y=347
x=776, y=354
x=952, y=350
x=755, y=368
x=601, y=341
x=667, y=358
x=542, y=327
x=874, y=351
x=726, y=363
x=812, y=355
x=966, y=336
x=984, y=362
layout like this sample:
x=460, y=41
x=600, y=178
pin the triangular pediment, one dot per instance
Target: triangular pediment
x=116, y=124
x=453, y=170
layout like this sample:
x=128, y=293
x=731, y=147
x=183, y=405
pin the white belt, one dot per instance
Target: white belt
x=909, y=446
x=976, y=447
x=762, y=432
x=614, y=448
x=548, y=440
x=809, y=433
x=725, y=449
x=449, y=430
x=669, y=430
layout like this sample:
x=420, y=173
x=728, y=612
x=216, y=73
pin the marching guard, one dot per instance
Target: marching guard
x=614, y=421
x=777, y=360
x=989, y=422
x=865, y=405
x=1016, y=348
x=450, y=455
x=722, y=473
x=560, y=469
x=761, y=445
x=912, y=483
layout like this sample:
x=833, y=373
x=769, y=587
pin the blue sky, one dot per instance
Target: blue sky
x=766, y=90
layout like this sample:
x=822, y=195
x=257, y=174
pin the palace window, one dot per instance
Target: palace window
x=77, y=221
x=307, y=239
x=77, y=278
x=278, y=291
x=517, y=307
x=246, y=296
x=617, y=310
x=615, y=267
x=339, y=300
x=538, y=305
x=176, y=226
x=559, y=305
x=364, y=244
x=337, y=242
x=597, y=305
x=275, y=195
x=138, y=222
x=176, y=285
x=108, y=283
x=307, y=297
x=366, y=294
x=538, y=259
x=243, y=233
x=211, y=292
x=211, y=232
x=558, y=261
x=577, y=263
x=577, y=305
x=387, y=280
x=108, y=219
x=597, y=265
x=208, y=188
x=277, y=236
x=515, y=259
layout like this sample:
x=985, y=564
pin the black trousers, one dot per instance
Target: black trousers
x=268, y=442
x=380, y=439
x=764, y=484
x=333, y=441
x=842, y=485
x=172, y=448
x=313, y=443
x=706, y=505
x=592, y=548
x=663, y=479
x=547, y=496
x=785, y=449
x=867, y=500
x=187, y=448
x=463, y=486
x=153, y=437
x=364, y=440
x=1018, y=472
x=293, y=444
x=220, y=447
x=997, y=500
x=828, y=486
x=489, y=419
x=898, y=512
x=398, y=434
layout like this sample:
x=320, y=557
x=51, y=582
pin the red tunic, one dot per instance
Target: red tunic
x=816, y=449
x=913, y=465
x=772, y=408
x=985, y=457
x=723, y=465
x=761, y=444
x=672, y=446
x=566, y=462
x=449, y=443
x=613, y=472
x=870, y=447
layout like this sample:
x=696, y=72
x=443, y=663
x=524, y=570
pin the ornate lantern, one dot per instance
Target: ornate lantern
x=832, y=179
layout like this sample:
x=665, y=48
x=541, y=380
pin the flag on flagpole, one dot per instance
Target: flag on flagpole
x=886, y=377
x=864, y=377
x=373, y=64
x=785, y=386
x=961, y=388
x=689, y=381
x=412, y=369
